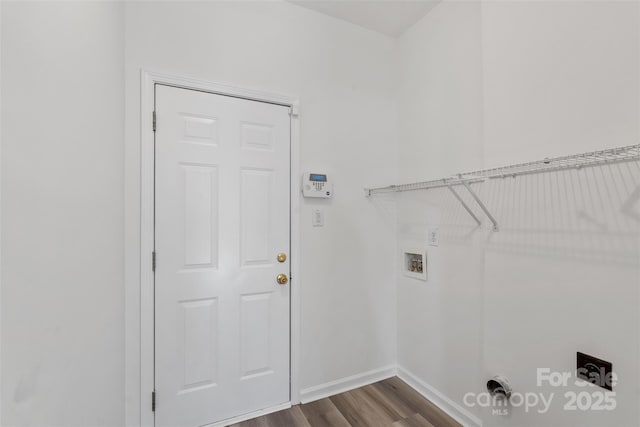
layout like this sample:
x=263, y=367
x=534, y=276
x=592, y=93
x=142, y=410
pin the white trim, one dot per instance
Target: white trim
x=139, y=233
x=220, y=88
x=1, y=211
x=296, y=280
x=347, y=383
x=454, y=410
x=250, y=415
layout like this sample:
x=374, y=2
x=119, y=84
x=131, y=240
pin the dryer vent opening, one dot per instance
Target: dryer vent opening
x=499, y=386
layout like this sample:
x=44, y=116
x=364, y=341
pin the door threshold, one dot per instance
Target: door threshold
x=250, y=415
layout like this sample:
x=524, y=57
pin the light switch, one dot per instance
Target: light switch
x=433, y=236
x=317, y=218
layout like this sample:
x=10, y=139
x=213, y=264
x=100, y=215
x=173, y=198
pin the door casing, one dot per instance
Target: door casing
x=139, y=228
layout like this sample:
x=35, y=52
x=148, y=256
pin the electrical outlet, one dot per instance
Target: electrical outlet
x=595, y=371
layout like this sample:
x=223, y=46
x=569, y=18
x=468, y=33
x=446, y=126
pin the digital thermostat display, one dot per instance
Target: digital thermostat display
x=317, y=177
x=316, y=185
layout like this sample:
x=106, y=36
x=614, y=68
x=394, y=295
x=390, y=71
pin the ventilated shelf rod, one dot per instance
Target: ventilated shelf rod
x=424, y=185
x=576, y=161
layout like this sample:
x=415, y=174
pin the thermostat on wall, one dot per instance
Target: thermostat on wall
x=316, y=185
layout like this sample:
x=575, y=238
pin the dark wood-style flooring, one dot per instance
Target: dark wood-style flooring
x=388, y=403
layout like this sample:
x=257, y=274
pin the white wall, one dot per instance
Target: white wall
x=0, y=210
x=440, y=132
x=62, y=180
x=342, y=75
x=470, y=85
x=561, y=78
x=63, y=288
x=562, y=274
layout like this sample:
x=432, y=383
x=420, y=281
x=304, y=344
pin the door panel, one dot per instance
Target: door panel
x=222, y=216
x=200, y=215
x=255, y=227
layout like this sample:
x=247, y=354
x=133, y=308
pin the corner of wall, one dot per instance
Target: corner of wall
x=453, y=409
x=1, y=423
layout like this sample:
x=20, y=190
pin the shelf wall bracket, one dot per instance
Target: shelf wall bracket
x=482, y=206
x=464, y=204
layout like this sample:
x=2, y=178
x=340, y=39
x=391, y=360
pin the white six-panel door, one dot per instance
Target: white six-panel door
x=221, y=218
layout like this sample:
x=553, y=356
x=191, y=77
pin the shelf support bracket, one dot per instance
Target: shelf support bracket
x=482, y=206
x=466, y=207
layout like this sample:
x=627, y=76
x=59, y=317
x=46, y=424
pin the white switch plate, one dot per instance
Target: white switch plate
x=317, y=218
x=433, y=236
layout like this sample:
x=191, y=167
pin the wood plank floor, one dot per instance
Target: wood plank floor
x=388, y=403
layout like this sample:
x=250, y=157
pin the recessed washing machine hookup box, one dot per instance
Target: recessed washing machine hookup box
x=414, y=264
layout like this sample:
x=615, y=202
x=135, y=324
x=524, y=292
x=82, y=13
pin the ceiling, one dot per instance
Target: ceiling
x=390, y=17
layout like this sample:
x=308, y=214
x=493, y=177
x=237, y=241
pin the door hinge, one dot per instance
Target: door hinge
x=153, y=261
x=154, y=121
x=153, y=401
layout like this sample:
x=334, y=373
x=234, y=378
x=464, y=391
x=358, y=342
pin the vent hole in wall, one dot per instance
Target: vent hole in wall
x=499, y=387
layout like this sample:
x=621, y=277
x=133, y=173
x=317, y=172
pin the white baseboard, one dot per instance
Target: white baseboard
x=345, y=384
x=454, y=410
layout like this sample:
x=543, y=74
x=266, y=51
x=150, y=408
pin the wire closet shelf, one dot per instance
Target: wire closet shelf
x=576, y=161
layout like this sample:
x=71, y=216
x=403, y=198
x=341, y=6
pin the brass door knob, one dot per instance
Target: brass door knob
x=282, y=257
x=283, y=279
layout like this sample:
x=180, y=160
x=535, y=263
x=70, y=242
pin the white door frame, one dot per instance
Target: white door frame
x=139, y=381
